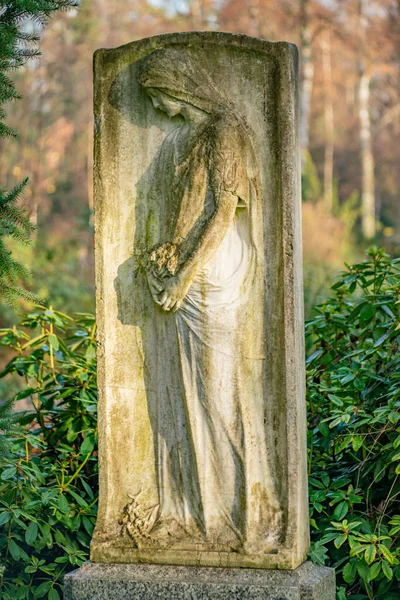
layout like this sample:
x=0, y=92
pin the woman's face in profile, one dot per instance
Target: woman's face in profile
x=165, y=103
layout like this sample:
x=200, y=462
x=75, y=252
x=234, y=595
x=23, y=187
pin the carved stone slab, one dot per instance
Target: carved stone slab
x=202, y=427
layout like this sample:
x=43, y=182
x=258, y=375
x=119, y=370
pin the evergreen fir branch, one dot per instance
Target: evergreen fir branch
x=5, y=81
x=7, y=418
x=8, y=94
x=20, y=270
x=13, y=195
x=6, y=131
x=24, y=36
x=11, y=49
x=8, y=422
x=10, y=269
x=5, y=445
x=7, y=89
x=17, y=10
x=22, y=55
x=27, y=53
x=3, y=253
x=12, y=293
x=16, y=233
x=18, y=217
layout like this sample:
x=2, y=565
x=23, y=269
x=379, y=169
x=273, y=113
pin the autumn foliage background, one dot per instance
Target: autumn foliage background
x=350, y=127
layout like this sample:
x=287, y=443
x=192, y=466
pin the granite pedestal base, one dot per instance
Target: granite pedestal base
x=104, y=581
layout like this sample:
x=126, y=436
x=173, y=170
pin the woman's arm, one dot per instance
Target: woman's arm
x=208, y=239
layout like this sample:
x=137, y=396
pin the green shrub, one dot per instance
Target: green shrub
x=354, y=430
x=48, y=482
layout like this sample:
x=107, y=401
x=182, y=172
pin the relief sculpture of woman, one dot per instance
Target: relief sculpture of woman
x=205, y=271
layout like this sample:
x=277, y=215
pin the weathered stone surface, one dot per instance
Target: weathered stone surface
x=148, y=582
x=199, y=303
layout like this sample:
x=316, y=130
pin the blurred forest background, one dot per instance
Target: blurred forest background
x=350, y=128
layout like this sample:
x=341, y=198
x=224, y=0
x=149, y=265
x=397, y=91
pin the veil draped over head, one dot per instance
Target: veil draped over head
x=174, y=72
x=178, y=74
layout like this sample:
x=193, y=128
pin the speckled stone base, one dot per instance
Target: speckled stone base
x=101, y=581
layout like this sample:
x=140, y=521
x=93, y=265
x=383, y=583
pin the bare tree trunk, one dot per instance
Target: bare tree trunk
x=367, y=159
x=196, y=11
x=36, y=161
x=254, y=12
x=307, y=77
x=368, y=219
x=101, y=8
x=328, y=121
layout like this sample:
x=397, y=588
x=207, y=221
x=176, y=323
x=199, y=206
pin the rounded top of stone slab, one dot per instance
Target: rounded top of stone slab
x=197, y=38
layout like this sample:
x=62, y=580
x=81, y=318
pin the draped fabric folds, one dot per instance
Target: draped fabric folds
x=215, y=478
x=213, y=469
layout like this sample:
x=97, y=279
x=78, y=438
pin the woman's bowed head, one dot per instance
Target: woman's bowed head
x=173, y=107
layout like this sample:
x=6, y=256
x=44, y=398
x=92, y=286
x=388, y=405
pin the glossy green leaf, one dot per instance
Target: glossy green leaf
x=31, y=533
x=370, y=554
x=339, y=540
x=8, y=473
x=14, y=549
x=387, y=570
x=53, y=595
x=364, y=571
x=341, y=511
x=53, y=341
x=41, y=590
x=63, y=504
x=350, y=571
x=375, y=570
x=5, y=517
x=87, y=445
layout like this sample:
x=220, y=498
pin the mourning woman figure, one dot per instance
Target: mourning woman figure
x=215, y=482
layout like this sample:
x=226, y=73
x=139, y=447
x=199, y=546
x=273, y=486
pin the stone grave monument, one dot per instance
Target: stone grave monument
x=202, y=424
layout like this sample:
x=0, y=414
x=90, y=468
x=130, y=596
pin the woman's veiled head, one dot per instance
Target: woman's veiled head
x=176, y=75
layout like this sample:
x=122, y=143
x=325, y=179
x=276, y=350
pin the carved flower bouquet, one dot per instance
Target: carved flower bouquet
x=162, y=261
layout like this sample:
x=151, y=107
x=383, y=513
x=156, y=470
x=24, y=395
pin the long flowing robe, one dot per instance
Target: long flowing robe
x=215, y=481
